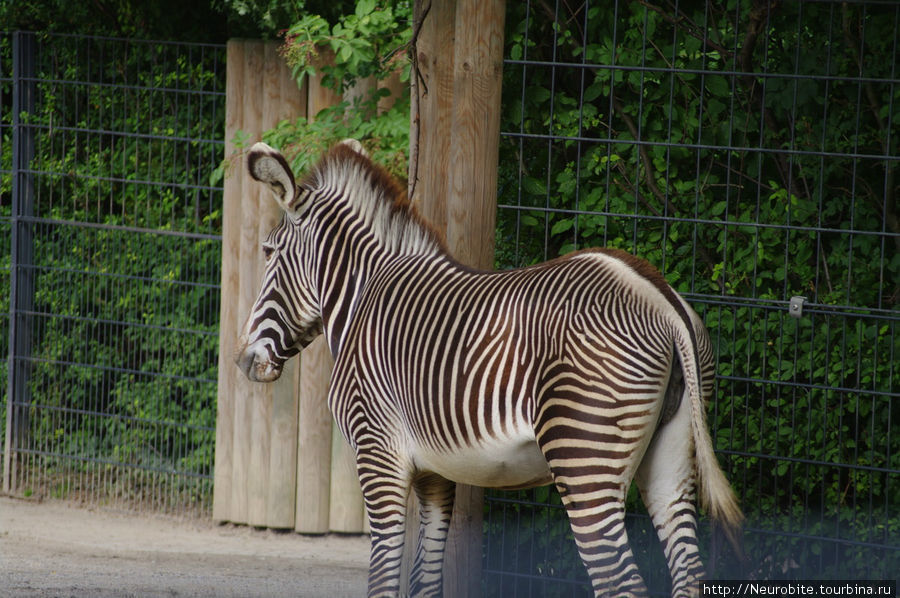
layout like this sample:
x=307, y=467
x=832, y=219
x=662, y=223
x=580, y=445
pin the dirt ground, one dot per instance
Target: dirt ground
x=52, y=549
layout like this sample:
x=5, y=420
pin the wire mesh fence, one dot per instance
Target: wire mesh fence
x=113, y=233
x=749, y=151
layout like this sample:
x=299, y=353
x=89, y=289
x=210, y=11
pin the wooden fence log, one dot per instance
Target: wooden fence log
x=346, y=508
x=314, y=443
x=284, y=100
x=243, y=391
x=230, y=287
x=282, y=495
x=432, y=113
x=457, y=137
x=430, y=119
x=346, y=504
x=267, y=215
x=478, y=74
x=471, y=217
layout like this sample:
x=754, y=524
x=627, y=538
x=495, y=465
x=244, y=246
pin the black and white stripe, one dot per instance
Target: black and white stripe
x=588, y=371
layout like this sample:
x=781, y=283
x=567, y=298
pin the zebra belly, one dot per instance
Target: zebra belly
x=502, y=463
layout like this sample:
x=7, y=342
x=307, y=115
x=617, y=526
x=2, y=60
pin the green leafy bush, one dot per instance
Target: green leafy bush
x=126, y=270
x=368, y=43
x=749, y=169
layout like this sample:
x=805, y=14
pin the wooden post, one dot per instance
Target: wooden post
x=266, y=217
x=315, y=441
x=230, y=285
x=478, y=74
x=283, y=101
x=249, y=204
x=256, y=431
x=432, y=113
x=458, y=135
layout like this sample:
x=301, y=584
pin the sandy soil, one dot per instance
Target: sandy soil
x=51, y=549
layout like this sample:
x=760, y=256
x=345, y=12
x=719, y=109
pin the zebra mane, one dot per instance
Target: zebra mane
x=377, y=198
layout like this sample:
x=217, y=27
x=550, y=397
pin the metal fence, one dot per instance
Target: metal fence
x=749, y=151
x=110, y=231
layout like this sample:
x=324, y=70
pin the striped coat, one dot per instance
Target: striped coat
x=587, y=371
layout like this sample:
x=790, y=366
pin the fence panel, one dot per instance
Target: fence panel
x=113, y=402
x=751, y=155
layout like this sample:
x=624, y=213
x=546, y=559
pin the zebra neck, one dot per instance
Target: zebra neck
x=352, y=256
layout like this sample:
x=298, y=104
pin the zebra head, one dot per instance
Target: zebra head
x=286, y=315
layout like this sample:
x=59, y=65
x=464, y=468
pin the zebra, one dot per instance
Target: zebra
x=587, y=371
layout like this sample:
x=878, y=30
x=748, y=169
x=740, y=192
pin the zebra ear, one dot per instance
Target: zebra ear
x=356, y=146
x=269, y=167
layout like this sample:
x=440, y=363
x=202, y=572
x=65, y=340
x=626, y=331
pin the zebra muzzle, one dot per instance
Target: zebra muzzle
x=257, y=367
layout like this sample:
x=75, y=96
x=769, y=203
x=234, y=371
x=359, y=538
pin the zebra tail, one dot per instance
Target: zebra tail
x=716, y=493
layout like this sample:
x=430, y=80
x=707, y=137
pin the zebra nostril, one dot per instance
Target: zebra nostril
x=244, y=360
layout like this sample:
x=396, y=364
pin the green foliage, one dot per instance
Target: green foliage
x=368, y=42
x=160, y=19
x=368, y=45
x=126, y=301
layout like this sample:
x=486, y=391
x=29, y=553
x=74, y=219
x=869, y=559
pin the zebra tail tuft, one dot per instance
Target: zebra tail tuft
x=716, y=493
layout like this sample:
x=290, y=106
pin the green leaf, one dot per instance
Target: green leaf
x=364, y=7
x=533, y=186
x=561, y=226
x=718, y=86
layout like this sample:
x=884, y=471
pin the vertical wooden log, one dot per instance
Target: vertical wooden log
x=430, y=136
x=432, y=113
x=346, y=505
x=471, y=218
x=478, y=74
x=249, y=285
x=282, y=493
x=285, y=400
x=267, y=215
x=314, y=447
x=456, y=189
x=314, y=444
x=273, y=452
x=230, y=285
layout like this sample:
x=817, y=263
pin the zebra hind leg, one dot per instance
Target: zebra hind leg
x=435, y=496
x=592, y=478
x=667, y=483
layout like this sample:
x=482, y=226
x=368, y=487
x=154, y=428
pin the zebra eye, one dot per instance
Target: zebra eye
x=268, y=250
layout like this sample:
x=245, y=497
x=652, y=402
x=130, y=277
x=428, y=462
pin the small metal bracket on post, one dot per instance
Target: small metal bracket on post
x=796, y=306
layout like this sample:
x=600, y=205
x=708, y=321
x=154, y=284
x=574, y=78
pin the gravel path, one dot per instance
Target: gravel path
x=51, y=549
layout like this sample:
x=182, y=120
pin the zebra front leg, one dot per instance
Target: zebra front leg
x=435, y=496
x=385, y=489
x=667, y=481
